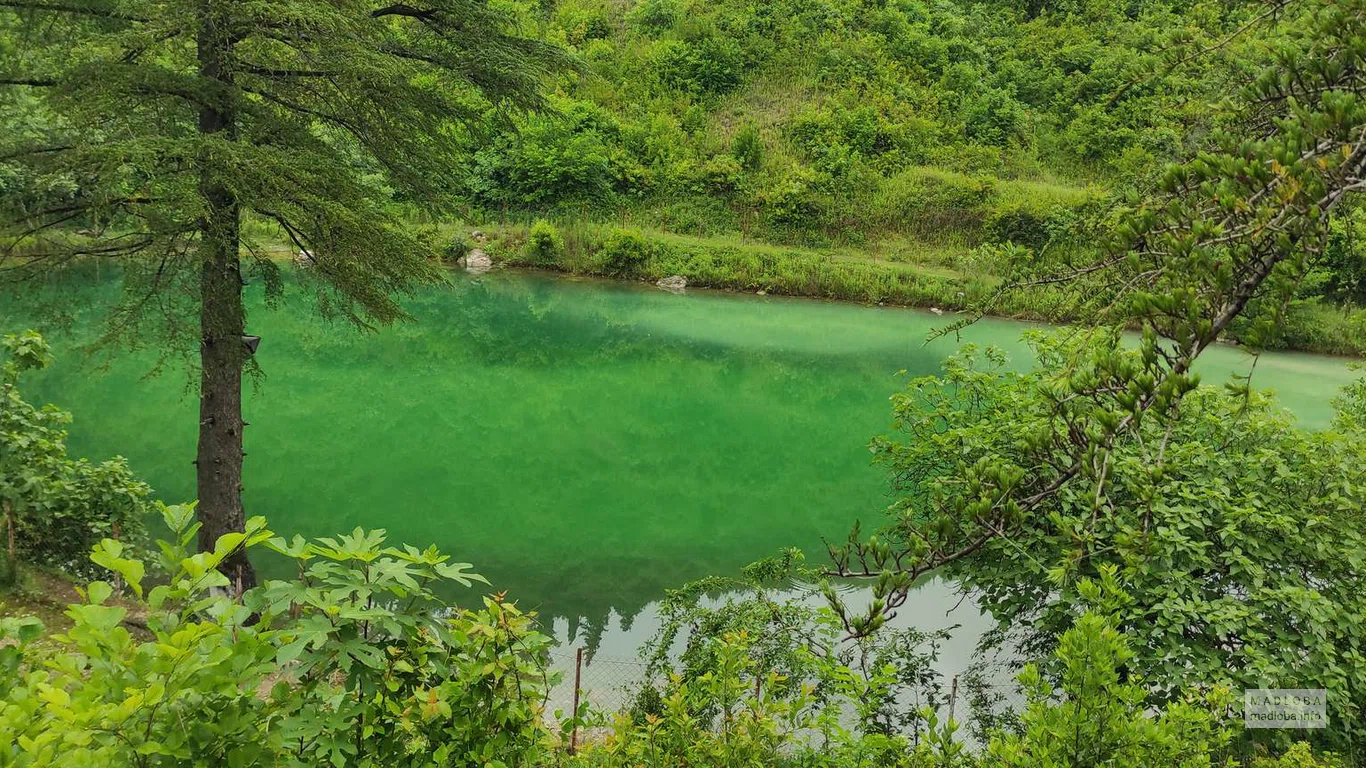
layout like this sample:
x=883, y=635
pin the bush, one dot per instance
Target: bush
x=655, y=16
x=1021, y=224
x=721, y=174
x=544, y=244
x=709, y=66
x=359, y=662
x=623, y=252
x=928, y=202
x=791, y=201
x=59, y=506
x=995, y=118
x=456, y=248
x=1081, y=707
x=554, y=158
x=748, y=147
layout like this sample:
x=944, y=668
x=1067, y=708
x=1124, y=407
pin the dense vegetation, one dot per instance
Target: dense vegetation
x=1148, y=546
x=909, y=152
x=362, y=660
x=55, y=508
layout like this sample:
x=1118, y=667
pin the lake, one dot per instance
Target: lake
x=585, y=444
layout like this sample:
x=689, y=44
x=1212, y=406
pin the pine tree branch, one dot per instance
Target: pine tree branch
x=283, y=74
x=30, y=82
x=35, y=151
x=403, y=9
x=80, y=10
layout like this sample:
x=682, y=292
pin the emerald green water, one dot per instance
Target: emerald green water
x=587, y=445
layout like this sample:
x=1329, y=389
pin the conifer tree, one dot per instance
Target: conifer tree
x=146, y=131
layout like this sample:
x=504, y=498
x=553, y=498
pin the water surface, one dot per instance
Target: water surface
x=586, y=444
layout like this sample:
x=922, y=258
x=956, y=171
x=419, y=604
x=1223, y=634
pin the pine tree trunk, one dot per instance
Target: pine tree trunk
x=222, y=317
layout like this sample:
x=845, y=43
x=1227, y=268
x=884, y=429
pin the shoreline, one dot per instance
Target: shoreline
x=791, y=272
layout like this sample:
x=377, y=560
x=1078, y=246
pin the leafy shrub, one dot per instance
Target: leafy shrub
x=654, y=16
x=722, y=173
x=1021, y=224
x=1262, y=625
x=584, y=24
x=1081, y=707
x=544, y=244
x=554, y=158
x=743, y=729
x=709, y=66
x=1300, y=755
x=1100, y=719
x=748, y=147
x=792, y=200
x=358, y=662
x=457, y=248
x=624, y=251
x=59, y=506
x=1343, y=262
x=929, y=201
x=995, y=118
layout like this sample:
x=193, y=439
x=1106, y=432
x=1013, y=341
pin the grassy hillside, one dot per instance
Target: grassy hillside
x=910, y=151
x=874, y=123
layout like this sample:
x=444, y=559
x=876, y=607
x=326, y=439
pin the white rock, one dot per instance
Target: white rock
x=673, y=283
x=478, y=262
x=937, y=310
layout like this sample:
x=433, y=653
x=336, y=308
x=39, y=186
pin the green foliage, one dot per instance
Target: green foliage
x=59, y=506
x=1300, y=755
x=544, y=244
x=1109, y=455
x=357, y=662
x=740, y=727
x=993, y=117
x=1240, y=568
x=553, y=159
x=655, y=16
x=457, y=248
x=847, y=95
x=326, y=115
x=1083, y=707
x=1341, y=271
x=931, y=203
x=623, y=252
x=709, y=65
x=880, y=684
x=1089, y=715
x=182, y=119
x=748, y=147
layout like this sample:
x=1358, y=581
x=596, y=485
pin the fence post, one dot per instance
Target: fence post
x=578, y=679
x=953, y=696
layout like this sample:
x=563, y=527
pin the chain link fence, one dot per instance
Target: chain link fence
x=607, y=683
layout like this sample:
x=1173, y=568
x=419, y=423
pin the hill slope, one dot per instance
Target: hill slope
x=857, y=122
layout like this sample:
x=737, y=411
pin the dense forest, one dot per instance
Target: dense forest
x=1153, y=552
